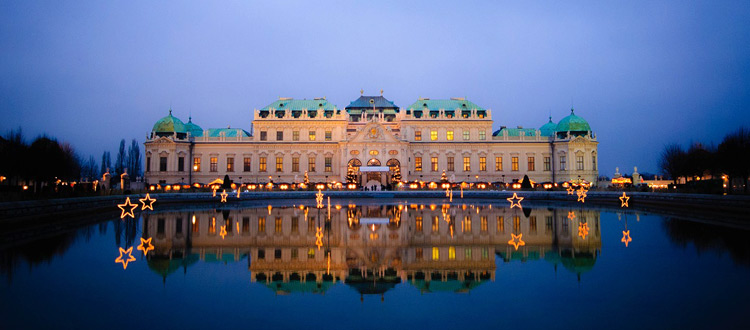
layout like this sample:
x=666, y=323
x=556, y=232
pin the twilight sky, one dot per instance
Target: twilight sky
x=643, y=73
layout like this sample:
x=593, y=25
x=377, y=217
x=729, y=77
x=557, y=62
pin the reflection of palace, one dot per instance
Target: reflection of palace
x=291, y=137
x=372, y=248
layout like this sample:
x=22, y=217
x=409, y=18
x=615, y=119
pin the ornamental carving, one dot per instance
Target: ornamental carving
x=393, y=152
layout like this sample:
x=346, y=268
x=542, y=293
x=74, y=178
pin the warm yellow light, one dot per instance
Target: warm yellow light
x=515, y=243
x=319, y=237
x=224, y=196
x=571, y=215
x=626, y=237
x=128, y=259
x=319, y=199
x=148, y=202
x=582, y=194
x=570, y=189
x=145, y=246
x=223, y=231
x=583, y=230
x=129, y=205
x=624, y=199
x=513, y=202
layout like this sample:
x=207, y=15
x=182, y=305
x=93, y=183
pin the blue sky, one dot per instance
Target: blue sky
x=643, y=73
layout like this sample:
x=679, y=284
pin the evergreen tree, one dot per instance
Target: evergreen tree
x=106, y=163
x=396, y=178
x=134, y=159
x=121, y=161
x=351, y=175
x=307, y=180
x=443, y=178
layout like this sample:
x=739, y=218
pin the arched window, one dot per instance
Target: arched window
x=373, y=162
x=354, y=162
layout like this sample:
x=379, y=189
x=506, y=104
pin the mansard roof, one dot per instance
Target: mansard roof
x=298, y=105
x=368, y=102
x=450, y=104
x=228, y=132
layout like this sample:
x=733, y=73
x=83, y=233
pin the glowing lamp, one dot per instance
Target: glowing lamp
x=152, y=188
x=252, y=186
x=445, y=185
x=352, y=186
x=167, y=187
x=432, y=185
x=320, y=186
x=413, y=185
x=516, y=185
x=284, y=186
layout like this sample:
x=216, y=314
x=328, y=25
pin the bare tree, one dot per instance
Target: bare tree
x=734, y=156
x=672, y=161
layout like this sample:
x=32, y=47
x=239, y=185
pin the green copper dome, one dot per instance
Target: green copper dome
x=548, y=129
x=193, y=129
x=573, y=123
x=169, y=124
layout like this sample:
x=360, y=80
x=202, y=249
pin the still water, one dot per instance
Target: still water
x=396, y=264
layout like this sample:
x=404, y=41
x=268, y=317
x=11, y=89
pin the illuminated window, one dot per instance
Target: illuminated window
x=279, y=135
x=310, y=253
x=197, y=164
x=500, y=224
x=262, y=164
x=434, y=164
x=547, y=164
x=230, y=164
x=466, y=226
x=419, y=253
x=514, y=163
x=531, y=164
x=295, y=225
x=435, y=224
x=163, y=164
x=419, y=223
x=418, y=164
x=245, y=224
x=449, y=135
x=516, y=224
x=195, y=224
x=311, y=164
x=279, y=164
x=579, y=163
x=563, y=164
x=277, y=225
x=451, y=253
x=212, y=226
x=418, y=136
x=295, y=135
x=451, y=165
x=498, y=164
x=261, y=224
x=467, y=164
x=263, y=135
x=467, y=135
x=329, y=164
x=482, y=135
x=311, y=135
x=181, y=164
x=214, y=164
x=295, y=164
x=246, y=162
x=433, y=135
x=329, y=135
x=435, y=253
x=483, y=223
x=295, y=254
x=483, y=163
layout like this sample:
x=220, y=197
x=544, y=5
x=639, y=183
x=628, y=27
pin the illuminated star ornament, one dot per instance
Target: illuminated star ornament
x=581, y=194
x=624, y=199
x=125, y=261
x=515, y=243
x=223, y=231
x=571, y=215
x=319, y=199
x=319, y=237
x=145, y=246
x=513, y=199
x=129, y=205
x=583, y=230
x=224, y=196
x=148, y=202
x=571, y=190
x=626, y=237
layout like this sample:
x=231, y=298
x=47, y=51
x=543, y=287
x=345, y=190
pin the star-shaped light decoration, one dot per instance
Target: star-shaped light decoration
x=515, y=243
x=223, y=231
x=148, y=202
x=145, y=246
x=319, y=237
x=514, y=198
x=571, y=190
x=624, y=199
x=224, y=196
x=581, y=194
x=571, y=215
x=319, y=199
x=626, y=237
x=583, y=230
x=129, y=205
x=129, y=257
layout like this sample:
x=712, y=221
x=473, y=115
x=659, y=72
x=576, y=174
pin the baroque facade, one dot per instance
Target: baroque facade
x=291, y=138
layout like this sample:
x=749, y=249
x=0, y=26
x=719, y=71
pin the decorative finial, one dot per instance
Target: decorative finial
x=550, y=118
x=381, y=92
x=571, y=111
x=361, y=92
x=170, y=111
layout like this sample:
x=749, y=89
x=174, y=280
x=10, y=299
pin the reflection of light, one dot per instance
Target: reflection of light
x=319, y=237
x=582, y=194
x=214, y=190
x=624, y=199
x=571, y=215
x=150, y=202
x=570, y=189
x=512, y=199
x=145, y=248
x=193, y=218
x=269, y=209
x=125, y=261
x=127, y=204
x=513, y=242
x=319, y=199
x=626, y=237
x=223, y=231
x=583, y=230
x=224, y=196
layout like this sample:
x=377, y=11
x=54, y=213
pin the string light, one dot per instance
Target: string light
x=319, y=237
x=582, y=194
x=319, y=199
x=125, y=261
x=150, y=201
x=624, y=199
x=127, y=204
x=570, y=190
x=512, y=199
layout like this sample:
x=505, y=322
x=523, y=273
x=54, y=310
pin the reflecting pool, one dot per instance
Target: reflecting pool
x=383, y=263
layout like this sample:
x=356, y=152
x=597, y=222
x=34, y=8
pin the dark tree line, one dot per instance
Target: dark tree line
x=730, y=158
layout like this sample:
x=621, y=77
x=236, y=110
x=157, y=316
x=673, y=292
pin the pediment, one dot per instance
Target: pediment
x=163, y=140
x=374, y=133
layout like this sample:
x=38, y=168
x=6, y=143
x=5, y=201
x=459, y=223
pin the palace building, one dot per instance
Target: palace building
x=371, y=139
